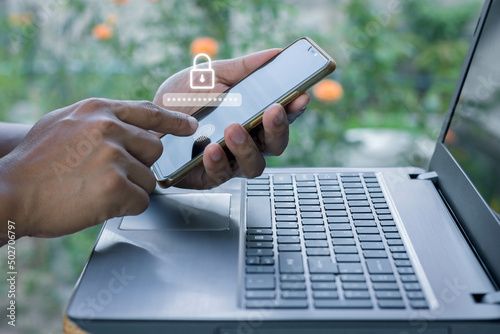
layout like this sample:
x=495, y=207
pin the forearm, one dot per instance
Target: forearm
x=11, y=135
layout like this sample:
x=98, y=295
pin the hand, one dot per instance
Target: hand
x=85, y=163
x=271, y=139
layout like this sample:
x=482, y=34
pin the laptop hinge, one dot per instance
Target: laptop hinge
x=431, y=176
x=491, y=298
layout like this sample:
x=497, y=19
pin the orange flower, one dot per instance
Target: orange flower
x=328, y=91
x=111, y=19
x=102, y=32
x=206, y=45
x=120, y=2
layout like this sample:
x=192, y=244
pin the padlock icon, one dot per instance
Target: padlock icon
x=202, y=78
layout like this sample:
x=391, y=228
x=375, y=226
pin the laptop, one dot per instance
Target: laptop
x=321, y=250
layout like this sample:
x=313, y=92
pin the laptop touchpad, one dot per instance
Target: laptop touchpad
x=183, y=212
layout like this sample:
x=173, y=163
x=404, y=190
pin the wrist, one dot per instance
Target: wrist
x=11, y=206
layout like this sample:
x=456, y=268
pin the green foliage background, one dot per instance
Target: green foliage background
x=398, y=68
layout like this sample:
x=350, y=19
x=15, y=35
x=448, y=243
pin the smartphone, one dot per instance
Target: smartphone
x=281, y=79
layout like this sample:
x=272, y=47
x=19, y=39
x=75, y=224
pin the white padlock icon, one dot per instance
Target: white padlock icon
x=206, y=79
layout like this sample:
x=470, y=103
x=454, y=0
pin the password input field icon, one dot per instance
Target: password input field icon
x=202, y=99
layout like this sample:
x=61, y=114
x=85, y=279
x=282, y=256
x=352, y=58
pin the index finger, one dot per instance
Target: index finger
x=149, y=116
x=231, y=71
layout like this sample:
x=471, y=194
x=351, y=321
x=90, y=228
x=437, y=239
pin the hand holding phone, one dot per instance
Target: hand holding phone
x=282, y=78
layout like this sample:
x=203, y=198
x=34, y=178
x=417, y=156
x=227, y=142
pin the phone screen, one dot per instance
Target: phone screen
x=259, y=90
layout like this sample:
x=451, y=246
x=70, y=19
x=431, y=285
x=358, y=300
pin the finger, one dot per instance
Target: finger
x=149, y=116
x=297, y=107
x=136, y=200
x=240, y=143
x=232, y=70
x=276, y=128
x=216, y=164
x=139, y=174
x=141, y=144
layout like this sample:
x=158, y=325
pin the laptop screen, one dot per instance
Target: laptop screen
x=473, y=137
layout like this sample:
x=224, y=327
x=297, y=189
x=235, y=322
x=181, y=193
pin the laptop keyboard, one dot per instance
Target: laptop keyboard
x=330, y=242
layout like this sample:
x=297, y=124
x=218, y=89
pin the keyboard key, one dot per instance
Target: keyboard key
x=258, y=187
x=259, y=270
x=332, y=200
x=389, y=229
x=313, y=222
x=383, y=278
x=372, y=245
x=334, y=220
x=287, y=232
x=334, y=207
x=252, y=260
x=282, y=179
x=259, y=282
x=322, y=265
x=259, y=212
x=418, y=304
x=380, y=205
x=322, y=278
x=304, y=177
x=387, y=223
x=290, y=263
x=331, y=194
x=383, y=212
x=385, y=286
x=311, y=215
x=315, y=236
x=341, y=234
x=347, y=258
x=356, y=294
x=306, y=190
x=362, y=216
x=260, y=294
x=308, y=202
x=345, y=249
x=378, y=200
x=395, y=242
x=267, y=261
x=276, y=304
x=388, y=295
x=329, y=176
x=354, y=286
x=313, y=228
x=329, y=188
x=306, y=184
x=343, y=241
x=257, y=181
x=405, y=270
x=283, y=187
x=353, y=204
x=385, y=217
x=402, y=263
x=350, y=268
x=286, y=218
x=391, y=303
x=392, y=236
x=355, y=197
x=336, y=213
x=259, y=252
x=318, y=252
x=376, y=195
x=286, y=212
x=368, y=254
x=409, y=279
x=379, y=266
x=365, y=223
x=310, y=208
x=308, y=196
x=293, y=294
x=259, y=244
x=289, y=248
x=400, y=256
x=343, y=303
x=292, y=278
x=369, y=237
x=284, y=199
x=265, y=231
x=415, y=295
x=258, y=193
x=325, y=294
x=316, y=243
x=340, y=227
x=352, y=278
x=328, y=183
x=323, y=286
x=367, y=230
x=353, y=185
x=286, y=225
x=411, y=286
x=350, y=177
x=288, y=240
x=293, y=286
x=352, y=191
x=259, y=237
x=361, y=209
